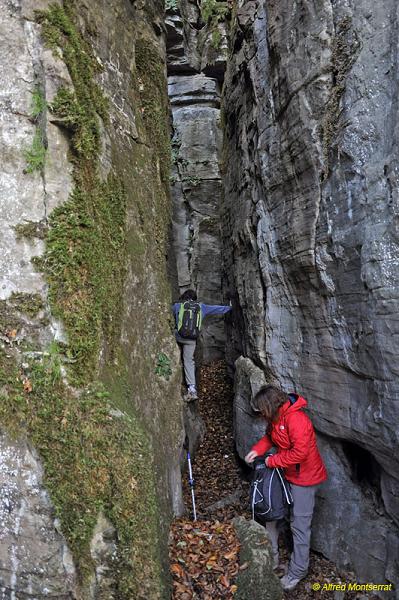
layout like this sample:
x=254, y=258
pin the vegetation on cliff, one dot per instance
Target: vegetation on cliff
x=96, y=459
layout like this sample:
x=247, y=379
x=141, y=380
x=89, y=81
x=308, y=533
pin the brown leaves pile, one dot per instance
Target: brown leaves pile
x=204, y=553
x=215, y=467
x=204, y=560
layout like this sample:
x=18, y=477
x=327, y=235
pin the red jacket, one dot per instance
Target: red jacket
x=294, y=436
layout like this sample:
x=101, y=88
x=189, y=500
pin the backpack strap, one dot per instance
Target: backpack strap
x=180, y=316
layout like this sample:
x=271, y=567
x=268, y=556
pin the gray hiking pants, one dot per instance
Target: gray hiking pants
x=300, y=522
x=188, y=349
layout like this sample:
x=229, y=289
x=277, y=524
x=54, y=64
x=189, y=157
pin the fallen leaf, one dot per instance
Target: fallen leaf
x=175, y=568
x=230, y=555
x=27, y=385
x=224, y=581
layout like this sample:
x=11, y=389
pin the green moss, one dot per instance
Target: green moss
x=35, y=156
x=151, y=80
x=153, y=94
x=81, y=441
x=135, y=244
x=93, y=460
x=38, y=103
x=9, y=320
x=85, y=263
x=31, y=229
x=191, y=181
x=85, y=257
x=171, y=5
x=29, y=304
x=77, y=109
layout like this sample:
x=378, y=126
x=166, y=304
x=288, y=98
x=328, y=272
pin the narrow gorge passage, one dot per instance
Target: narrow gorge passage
x=204, y=554
x=247, y=149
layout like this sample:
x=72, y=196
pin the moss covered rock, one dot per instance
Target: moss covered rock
x=92, y=402
x=258, y=580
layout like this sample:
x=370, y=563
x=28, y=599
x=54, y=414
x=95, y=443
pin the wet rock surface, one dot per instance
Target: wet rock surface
x=310, y=237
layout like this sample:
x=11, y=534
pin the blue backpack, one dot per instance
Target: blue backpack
x=270, y=493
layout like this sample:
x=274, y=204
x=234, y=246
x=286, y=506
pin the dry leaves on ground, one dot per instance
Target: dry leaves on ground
x=204, y=560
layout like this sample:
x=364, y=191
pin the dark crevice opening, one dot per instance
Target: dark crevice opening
x=364, y=469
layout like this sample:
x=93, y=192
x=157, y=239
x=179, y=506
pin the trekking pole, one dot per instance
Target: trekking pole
x=190, y=479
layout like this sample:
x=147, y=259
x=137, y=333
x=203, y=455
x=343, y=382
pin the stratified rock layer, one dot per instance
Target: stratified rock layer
x=311, y=241
x=195, y=70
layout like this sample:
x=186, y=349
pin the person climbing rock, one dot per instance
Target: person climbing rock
x=291, y=431
x=189, y=315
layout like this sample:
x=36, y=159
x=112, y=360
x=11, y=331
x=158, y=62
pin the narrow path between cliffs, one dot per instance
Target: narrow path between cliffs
x=204, y=554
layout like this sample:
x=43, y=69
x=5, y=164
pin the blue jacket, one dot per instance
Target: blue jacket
x=206, y=310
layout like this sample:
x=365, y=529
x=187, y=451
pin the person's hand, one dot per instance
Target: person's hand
x=266, y=459
x=250, y=457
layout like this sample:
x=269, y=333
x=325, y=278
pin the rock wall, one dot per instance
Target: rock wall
x=311, y=245
x=91, y=414
x=195, y=75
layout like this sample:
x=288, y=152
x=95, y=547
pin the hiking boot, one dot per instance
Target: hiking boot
x=192, y=392
x=188, y=398
x=288, y=582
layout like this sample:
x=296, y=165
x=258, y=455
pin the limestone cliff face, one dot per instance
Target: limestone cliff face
x=311, y=246
x=90, y=409
x=195, y=75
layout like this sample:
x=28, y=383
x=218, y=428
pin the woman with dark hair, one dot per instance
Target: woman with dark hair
x=189, y=315
x=291, y=431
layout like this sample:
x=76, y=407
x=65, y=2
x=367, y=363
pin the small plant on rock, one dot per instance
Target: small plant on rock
x=35, y=155
x=163, y=368
x=214, y=12
x=38, y=104
x=171, y=5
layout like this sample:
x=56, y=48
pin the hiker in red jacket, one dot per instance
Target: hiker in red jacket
x=291, y=431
